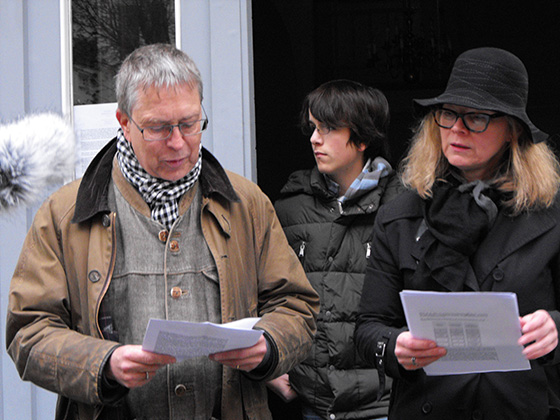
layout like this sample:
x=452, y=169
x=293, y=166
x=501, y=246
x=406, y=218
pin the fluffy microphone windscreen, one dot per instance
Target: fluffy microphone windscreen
x=36, y=152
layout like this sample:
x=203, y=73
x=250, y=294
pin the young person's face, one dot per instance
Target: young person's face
x=335, y=155
x=173, y=158
x=476, y=155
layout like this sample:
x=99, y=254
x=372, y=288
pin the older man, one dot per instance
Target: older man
x=156, y=228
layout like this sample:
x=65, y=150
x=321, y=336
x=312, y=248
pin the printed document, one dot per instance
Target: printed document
x=94, y=126
x=186, y=340
x=479, y=330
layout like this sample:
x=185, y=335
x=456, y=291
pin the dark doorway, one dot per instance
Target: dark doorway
x=403, y=47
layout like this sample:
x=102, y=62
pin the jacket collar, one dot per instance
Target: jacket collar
x=312, y=182
x=510, y=234
x=93, y=194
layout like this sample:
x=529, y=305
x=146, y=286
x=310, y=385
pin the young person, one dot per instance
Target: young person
x=327, y=214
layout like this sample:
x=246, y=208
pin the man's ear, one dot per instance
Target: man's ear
x=124, y=121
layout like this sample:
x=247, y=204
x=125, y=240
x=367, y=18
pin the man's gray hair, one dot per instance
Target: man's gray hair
x=157, y=65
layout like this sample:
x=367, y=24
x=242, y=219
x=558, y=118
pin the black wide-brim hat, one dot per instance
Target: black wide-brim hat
x=490, y=79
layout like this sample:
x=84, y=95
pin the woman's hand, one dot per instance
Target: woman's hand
x=414, y=353
x=539, y=334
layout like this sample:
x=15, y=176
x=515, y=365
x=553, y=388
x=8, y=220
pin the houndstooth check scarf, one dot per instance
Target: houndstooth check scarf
x=161, y=196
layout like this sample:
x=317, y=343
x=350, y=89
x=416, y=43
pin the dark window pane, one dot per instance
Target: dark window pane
x=104, y=32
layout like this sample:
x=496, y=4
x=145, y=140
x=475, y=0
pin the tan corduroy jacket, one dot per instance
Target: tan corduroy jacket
x=65, y=269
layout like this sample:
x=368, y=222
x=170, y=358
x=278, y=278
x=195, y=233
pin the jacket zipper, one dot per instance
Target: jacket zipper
x=368, y=250
x=301, y=253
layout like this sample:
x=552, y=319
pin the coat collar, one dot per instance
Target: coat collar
x=93, y=194
x=509, y=234
x=312, y=182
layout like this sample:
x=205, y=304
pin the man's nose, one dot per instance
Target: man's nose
x=176, y=140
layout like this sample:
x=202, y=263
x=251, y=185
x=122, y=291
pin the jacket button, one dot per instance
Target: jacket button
x=174, y=246
x=94, y=276
x=332, y=416
x=180, y=390
x=498, y=274
x=163, y=235
x=176, y=292
x=106, y=221
x=426, y=408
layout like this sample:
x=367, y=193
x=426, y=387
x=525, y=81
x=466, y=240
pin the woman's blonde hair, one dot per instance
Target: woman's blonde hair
x=529, y=172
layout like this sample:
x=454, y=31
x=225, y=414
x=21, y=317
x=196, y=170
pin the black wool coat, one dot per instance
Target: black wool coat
x=521, y=255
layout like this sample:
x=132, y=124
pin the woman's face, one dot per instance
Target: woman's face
x=335, y=155
x=476, y=155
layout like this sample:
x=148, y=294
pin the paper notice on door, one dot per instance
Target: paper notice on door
x=479, y=330
x=94, y=126
x=186, y=340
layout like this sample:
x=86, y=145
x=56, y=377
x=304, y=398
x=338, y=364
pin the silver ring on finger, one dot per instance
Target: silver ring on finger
x=147, y=375
x=414, y=361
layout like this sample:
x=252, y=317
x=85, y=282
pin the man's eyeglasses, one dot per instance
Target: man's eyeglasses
x=309, y=129
x=477, y=122
x=163, y=132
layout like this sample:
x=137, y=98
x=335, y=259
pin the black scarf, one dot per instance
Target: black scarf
x=458, y=217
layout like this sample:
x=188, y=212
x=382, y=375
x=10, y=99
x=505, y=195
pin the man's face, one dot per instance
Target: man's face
x=173, y=158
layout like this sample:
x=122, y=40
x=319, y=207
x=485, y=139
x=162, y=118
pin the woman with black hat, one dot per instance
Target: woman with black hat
x=482, y=214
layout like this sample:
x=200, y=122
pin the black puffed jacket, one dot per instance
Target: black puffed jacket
x=333, y=243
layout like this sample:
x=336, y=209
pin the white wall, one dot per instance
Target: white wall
x=216, y=33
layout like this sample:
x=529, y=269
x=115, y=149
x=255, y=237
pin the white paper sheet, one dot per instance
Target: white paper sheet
x=186, y=340
x=94, y=126
x=479, y=330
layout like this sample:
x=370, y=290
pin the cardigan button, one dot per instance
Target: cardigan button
x=174, y=246
x=163, y=235
x=176, y=292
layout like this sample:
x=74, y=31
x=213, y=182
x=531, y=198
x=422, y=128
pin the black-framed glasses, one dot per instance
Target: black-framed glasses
x=477, y=122
x=163, y=132
x=309, y=128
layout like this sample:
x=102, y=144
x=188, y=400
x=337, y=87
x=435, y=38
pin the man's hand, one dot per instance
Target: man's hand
x=281, y=387
x=243, y=359
x=133, y=367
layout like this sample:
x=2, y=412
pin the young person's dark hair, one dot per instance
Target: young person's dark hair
x=345, y=103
